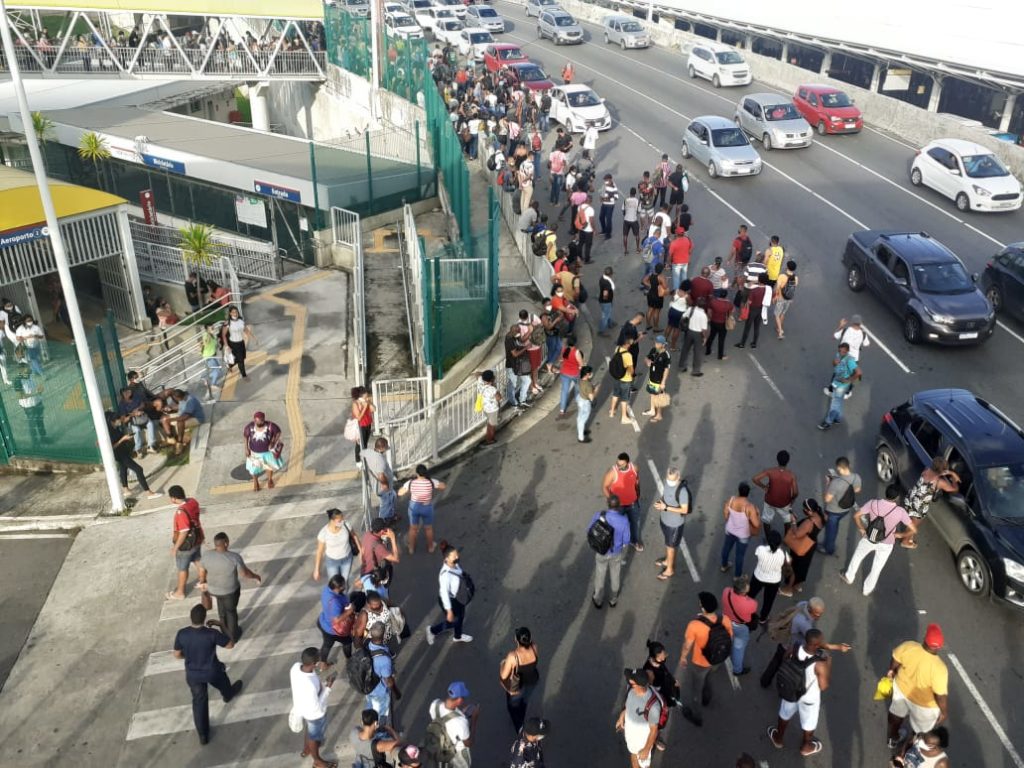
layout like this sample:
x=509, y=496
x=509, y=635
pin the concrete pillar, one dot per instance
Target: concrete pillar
x=718, y=34
x=258, y=106
x=1011, y=104
x=876, y=77
x=785, y=53
x=936, y=94
x=747, y=42
x=826, y=63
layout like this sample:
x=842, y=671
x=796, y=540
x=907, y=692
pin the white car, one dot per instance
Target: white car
x=394, y=8
x=485, y=17
x=456, y=6
x=721, y=64
x=577, y=108
x=433, y=16
x=968, y=174
x=421, y=11
x=448, y=31
x=402, y=25
x=473, y=41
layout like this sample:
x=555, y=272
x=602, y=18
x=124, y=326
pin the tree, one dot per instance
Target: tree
x=93, y=147
x=198, y=245
x=44, y=132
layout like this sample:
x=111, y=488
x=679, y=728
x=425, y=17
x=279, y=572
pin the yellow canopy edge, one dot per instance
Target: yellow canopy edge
x=293, y=9
x=20, y=205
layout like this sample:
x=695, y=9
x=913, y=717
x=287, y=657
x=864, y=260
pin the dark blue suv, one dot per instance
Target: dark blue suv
x=983, y=524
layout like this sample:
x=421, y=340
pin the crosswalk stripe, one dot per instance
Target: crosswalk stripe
x=281, y=550
x=248, y=706
x=256, y=597
x=264, y=646
x=342, y=753
x=230, y=516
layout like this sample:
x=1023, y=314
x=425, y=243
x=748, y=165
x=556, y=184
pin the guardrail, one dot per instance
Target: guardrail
x=412, y=281
x=137, y=349
x=347, y=229
x=250, y=259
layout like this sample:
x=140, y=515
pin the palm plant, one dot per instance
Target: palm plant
x=198, y=245
x=93, y=147
x=44, y=132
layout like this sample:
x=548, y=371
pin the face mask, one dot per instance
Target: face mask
x=671, y=483
x=455, y=561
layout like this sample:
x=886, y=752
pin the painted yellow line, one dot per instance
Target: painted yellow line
x=307, y=477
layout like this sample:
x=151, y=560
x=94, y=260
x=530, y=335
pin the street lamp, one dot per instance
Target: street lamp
x=60, y=256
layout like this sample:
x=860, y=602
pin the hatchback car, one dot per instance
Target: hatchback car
x=967, y=173
x=456, y=6
x=485, y=17
x=560, y=27
x=577, y=108
x=721, y=64
x=828, y=108
x=531, y=76
x=537, y=7
x=502, y=55
x=626, y=32
x=772, y=118
x=402, y=25
x=720, y=146
x=448, y=31
x=1003, y=281
x=474, y=41
x=983, y=522
x=922, y=282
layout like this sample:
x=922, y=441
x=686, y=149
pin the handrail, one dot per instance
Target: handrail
x=143, y=342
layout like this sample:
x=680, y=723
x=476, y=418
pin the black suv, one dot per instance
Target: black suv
x=923, y=282
x=1003, y=280
x=983, y=524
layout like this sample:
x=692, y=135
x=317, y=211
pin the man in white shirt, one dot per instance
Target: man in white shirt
x=459, y=722
x=631, y=220
x=660, y=223
x=816, y=667
x=854, y=335
x=590, y=138
x=309, y=701
x=609, y=194
x=31, y=336
x=585, y=225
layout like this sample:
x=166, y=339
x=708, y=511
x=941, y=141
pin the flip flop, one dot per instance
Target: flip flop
x=172, y=596
x=772, y=733
x=665, y=577
x=909, y=546
x=660, y=562
x=816, y=747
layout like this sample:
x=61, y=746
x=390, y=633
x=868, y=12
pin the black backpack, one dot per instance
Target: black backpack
x=746, y=250
x=359, y=668
x=540, y=242
x=581, y=293
x=848, y=497
x=492, y=162
x=617, y=366
x=718, y=648
x=466, y=590
x=600, y=536
x=791, y=679
x=875, y=531
x=789, y=289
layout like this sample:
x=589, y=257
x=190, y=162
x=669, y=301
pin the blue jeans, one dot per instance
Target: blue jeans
x=632, y=513
x=315, y=729
x=741, y=551
x=536, y=165
x=150, y=430
x=678, y=275
x=510, y=386
x=583, y=408
x=543, y=122
x=649, y=268
x=740, y=638
x=214, y=371
x=605, y=218
x=832, y=520
x=569, y=383
x=35, y=359
x=342, y=566
x=605, y=323
x=835, y=406
x=471, y=145
x=557, y=184
x=554, y=346
x=379, y=700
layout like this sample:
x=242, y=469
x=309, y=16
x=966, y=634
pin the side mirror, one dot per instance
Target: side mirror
x=975, y=277
x=954, y=171
x=902, y=282
x=703, y=140
x=602, y=99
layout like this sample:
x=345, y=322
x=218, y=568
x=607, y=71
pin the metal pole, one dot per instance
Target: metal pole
x=92, y=389
x=376, y=24
x=316, y=192
x=369, y=171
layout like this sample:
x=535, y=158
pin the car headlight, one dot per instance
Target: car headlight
x=1014, y=570
x=980, y=191
x=941, y=319
x=835, y=119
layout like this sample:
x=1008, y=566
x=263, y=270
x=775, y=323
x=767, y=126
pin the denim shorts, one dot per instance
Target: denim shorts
x=185, y=558
x=315, y=729
x=421, y=514
x=621, y=389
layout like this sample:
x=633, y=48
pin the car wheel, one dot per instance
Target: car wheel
x=690, y=71
x=885, y=465
x=569, y=127
x=963, y=202
x=912, y=328
x=684, y=150
x=606, y=40
x=973, y=572
x=995, y=298
x=715, y=81
x=712, y=170
x=915, y=177
x=622, y=44
x=855, y=279
x=821, y=128
x=766, y=142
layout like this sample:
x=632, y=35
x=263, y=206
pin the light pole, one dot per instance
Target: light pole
x=60, y=256
x=376, y=25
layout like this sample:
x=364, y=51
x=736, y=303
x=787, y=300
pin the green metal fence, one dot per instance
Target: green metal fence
x=404, y=70
x=348, y=41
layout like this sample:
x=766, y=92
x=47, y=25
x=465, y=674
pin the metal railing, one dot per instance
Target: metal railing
x=397, y=398
x=347, y=228
x=412, y=281
x=250, y=258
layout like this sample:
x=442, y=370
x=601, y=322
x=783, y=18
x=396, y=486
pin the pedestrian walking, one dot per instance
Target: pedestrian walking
x=29, y=337
x=741, y=609
x=263, y=447
x=752, y=311
x=695, y=338
x=802, y=540
x=780, y=490
x=527, y=750
x=663, y=681
x=844, y=372
x=789, y=629
x=680, y=251
x=678, y=183
x=638, y=720
x=585, y=403
x=605, y=300
x=167, y=318
x=673, y=507
x=455, y=590
x=679, y=310
x=421, y=490
x=742, y=251
x=719, y=318
x=785, y=291
x=658, y=361
x=661, y=174
x=223, y=567
x=209, y=348
x=609, y=194
x=197, y=645
x=195, y=292
x=936, y=477
x=879, y=525
x=489, y=399
x=608, y=535
x=336, y=547
x=842, y=485
x=452, y=728
x=808, y=670
x=122, y=442
x=186, y=539
x=309, y=702
x=926, y=750
x=567, y=73
x=854, y=334
x=519, y=676
x=631, y=220
x=773, y=257
x=558, y=163
x=569, y=373
x=770, y=560
x=623, y=481
x=707, y=645
x=381, y=698
x=920, y=686
x=336, y=620
x=647, y=195
x=362, y=412
x=372, y=741
x=620, y=368
x=656, y=287
x=236, y=334
x=584, y=223
x=741, y=522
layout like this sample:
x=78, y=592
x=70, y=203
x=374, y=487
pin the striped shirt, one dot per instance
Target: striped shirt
x=421, y=489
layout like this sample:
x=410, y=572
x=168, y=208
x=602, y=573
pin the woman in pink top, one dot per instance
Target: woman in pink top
x=741, y=520
x=421, y=506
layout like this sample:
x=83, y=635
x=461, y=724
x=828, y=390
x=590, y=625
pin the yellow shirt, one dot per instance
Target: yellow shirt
x=773, y=261
x=922, y=675
x=627, y=361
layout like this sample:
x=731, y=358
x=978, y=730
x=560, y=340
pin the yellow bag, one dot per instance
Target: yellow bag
x=884, y=688
x=478, y=406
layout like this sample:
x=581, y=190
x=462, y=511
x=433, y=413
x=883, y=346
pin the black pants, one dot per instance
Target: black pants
x=716, y=331
x=36, y=422
x=770, y=591
x=459, y=611
x=753, y=322
x=201, y=698
x=773, y=666
x=329, y=641
x=238, y=350
x=606, y=219
x=124, y=463
x=364, y=439
x=586, y=243
x=661, y=194
x=227, y=609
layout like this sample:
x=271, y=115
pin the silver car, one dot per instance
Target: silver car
x=774, y=120
x=559, y=26
x=484, y=17
x=721, y=147
x=626, y=32
x=537, y=7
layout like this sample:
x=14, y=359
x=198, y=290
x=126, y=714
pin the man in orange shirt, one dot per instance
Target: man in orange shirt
x=708, y=644
x=679, y=251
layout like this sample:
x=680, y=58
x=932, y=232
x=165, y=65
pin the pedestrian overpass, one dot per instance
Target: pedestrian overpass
x=240, y=40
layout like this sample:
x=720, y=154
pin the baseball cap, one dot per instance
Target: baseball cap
x=409, y=755
x=933, y=636
x=856, y=320
x=718, y=259
x=537, y=726
x=637, y=676
x=660, y=340
x=458, y=690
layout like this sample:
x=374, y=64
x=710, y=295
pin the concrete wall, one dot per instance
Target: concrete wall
x=335, y=109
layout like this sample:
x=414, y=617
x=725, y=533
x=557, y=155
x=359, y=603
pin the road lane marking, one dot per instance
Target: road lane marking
x=256, y=597
x=767, y=378
x=987, y=711
x=893, y=139
x=735, y=681
x=264, y=646
x=884, y=348
x=1010, y=331
x=691, y=566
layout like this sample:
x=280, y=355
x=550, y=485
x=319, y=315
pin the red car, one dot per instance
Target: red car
x=828, y=109
x=530, y=75
x=501, y=55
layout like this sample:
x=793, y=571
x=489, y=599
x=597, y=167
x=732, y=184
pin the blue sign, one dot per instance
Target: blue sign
x=24, y=235
x=174, y=166
x=281, y=193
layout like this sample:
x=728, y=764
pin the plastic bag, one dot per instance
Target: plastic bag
x=478, y=406
x=295, y=723
x=884, y=688
x=352, y=431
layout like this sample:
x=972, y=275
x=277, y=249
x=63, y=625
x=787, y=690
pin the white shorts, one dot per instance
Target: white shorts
x=922, y=719
x=769, y=512
x=809, y=711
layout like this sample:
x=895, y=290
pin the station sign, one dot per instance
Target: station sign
x=23, y=235
x=164, y=164
x=275, y=191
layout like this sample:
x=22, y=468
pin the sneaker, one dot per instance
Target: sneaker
x=892, y=743
x=848, y=395
x=597, y=605
x=236, y=689
x=430, y=636
x=827, y=391
x=824, y=425
x=844, y=577
x=463, y=639
x=154, y=495
x=585, y=440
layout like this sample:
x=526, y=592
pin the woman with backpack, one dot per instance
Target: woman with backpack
x=771, y=558
x=569, y=374
x=802, y=541
x=519, y=676
x=455, y=590
x=662, y=680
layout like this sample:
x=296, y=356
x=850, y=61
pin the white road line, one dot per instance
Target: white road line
x=24, y=536
x=893, y=139
x=884, y=348
x=767, y=378
x=1010, y=331
x=280, y=550
x=257, y=597
x=735, y=681
x=341, y=753
x=987, y=712
x=248, y=706
x=818, y=195
x=691, y=566
x=263, y=646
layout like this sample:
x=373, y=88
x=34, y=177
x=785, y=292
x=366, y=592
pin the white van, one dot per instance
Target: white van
x=721, y=64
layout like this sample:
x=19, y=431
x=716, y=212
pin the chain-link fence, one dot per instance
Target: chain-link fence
x=404, y=69
x=348, y=41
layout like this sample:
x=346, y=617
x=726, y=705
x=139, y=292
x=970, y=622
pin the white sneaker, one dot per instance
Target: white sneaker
x=463, y=639
x=430, y=636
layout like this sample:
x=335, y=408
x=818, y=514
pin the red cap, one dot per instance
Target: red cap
x=933, y=636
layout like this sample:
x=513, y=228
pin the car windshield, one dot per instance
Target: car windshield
x=729, y=137
x=1002, y=491
x=531, y=74
x=781, y=112
x=507, y=54
x=451, y=26
x=402, y=21
x=480, y=37
x=948, y=277
x=444, y=13
x=417, y=4
x=837, y=99
x=983, y=166
x=564, y=21
x=632, y=26
x=729, y=57
x=486, y=13
x=583, y=99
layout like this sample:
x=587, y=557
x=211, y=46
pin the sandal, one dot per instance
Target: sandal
x=660, y=562
x=909, y=545
x=816, y=747
x=772, y=733
x=656, y=418
x=173, y=596
x=663, y=576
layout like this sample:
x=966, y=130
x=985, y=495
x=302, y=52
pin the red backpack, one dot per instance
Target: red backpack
x=663, y=714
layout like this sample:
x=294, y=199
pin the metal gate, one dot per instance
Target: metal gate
x=397, y=398
x=117, y=294
x=348, y=232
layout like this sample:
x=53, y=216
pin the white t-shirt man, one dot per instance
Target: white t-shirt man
x=698, y=320
x=586, y=213
x=458, y=731
x=309, y=695
x=855, y=336
x=636, y=727
x=590, y=138
x=809, y=705
x=630, y=208
x=29, y=335
x=660, y=223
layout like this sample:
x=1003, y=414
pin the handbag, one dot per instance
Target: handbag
x=661, y=400
x=352, y=430
x=295, y=723
x=745, y=312
x=799, y=544
x=515, y=680
x=686, y=183
x=397, y=619
x=730, y=322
